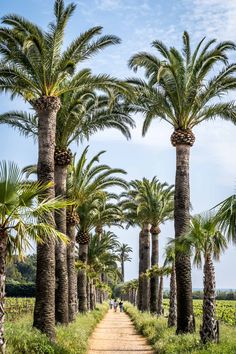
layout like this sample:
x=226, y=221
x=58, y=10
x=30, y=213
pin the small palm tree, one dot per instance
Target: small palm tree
x=156, y=201
x=206, y=242
x=123, y=252
x=226, y=217
x=35, y=67
x=181, y=89
x=130, y=206
x=87, y=184
x=24, y=208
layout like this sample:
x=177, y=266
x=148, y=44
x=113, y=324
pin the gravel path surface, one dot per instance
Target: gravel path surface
x=116, y=334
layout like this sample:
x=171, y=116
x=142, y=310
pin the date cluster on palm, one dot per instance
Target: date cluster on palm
x=62, y=157
x=83, y=237
x=182, y=137
x=72, y=218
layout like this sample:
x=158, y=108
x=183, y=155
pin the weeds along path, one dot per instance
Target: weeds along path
x=116, y=334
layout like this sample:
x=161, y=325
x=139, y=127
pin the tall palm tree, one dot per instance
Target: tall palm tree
x=206, y=242
x=123, y=252
x=181, y=89
x=35, y=68
x=87, y=184
x=82, y=114
x=156, y=202
x=20, y=212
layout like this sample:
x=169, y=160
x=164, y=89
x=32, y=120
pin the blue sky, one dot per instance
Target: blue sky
x=138, y=23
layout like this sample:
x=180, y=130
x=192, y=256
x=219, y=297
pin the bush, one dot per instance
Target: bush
x=73, y=339
x=165, y=341
x=15, y=289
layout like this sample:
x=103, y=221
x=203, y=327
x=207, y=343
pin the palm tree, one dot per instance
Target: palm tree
x=156, y=201
x=20, y=212
x=82, y=114
x=35, y=67
x=102, y=258
x=206, y=242
x=87, y=183
x=130, y=206
x=160, y=272
x=170, y=262
x=181, y=90
x=226, y=217
x=123, y=252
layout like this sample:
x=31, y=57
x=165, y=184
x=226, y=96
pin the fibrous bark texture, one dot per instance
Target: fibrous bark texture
x=154, y=261
x=210, y=328
x=172, y=318
x=82, y=279
x=44, y=312
x=144, y=282
x=185, y=318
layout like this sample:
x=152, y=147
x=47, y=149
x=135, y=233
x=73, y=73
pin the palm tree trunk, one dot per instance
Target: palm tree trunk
x=88, y=295
x=210, y=329
x=82, y=279
x=172, y=318
x=72, y=276
x=154, y=261
x=185, y=318
x=44, y=312
x=61, y=298
x=139, y=296
x=123, y=269
x=3, y=254
x=144, y=283
x=160, y=297
x=92, y=306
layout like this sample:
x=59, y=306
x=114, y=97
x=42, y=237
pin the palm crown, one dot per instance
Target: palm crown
x=203, y=238
x=20, y=209
x=34, y=63
x=180, y=87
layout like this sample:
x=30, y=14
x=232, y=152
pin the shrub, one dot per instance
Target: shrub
x=165, y=341
x=72, y=339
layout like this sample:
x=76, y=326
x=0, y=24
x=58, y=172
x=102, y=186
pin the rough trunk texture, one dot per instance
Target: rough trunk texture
x=123, y=269
x=144, y=282
x=61, y=295
x=88, y=295
x=160, y=310
x=3, y=254
x=185, y=318
x=92, y=295
x=210, y=328
x=154, y=279
x=139, y=298
x=172, y=318
x=44, y=312
x=82, y=279
x=72, y=274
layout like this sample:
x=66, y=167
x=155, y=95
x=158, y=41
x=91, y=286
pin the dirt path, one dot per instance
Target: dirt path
x=115, y=334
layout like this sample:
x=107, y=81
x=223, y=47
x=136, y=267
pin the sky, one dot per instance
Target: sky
x=138, y=23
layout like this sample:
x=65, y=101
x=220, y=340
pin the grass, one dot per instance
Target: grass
x=165, y=341
x=73, y=339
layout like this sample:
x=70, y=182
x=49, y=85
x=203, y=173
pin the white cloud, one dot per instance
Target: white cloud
x=214, y=18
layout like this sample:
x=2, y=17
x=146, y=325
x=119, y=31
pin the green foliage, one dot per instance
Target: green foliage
x=165, y=341
x=73, y=339
x=20, y=289
x=21, y=270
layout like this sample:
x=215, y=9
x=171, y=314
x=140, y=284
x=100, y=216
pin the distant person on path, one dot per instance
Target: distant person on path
x=111, y=303
x=121, y=305
x=115, y=305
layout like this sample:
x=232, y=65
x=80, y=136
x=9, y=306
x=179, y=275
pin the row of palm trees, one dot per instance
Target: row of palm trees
x=205, y=240
x=71, y=104
x=68, y=105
